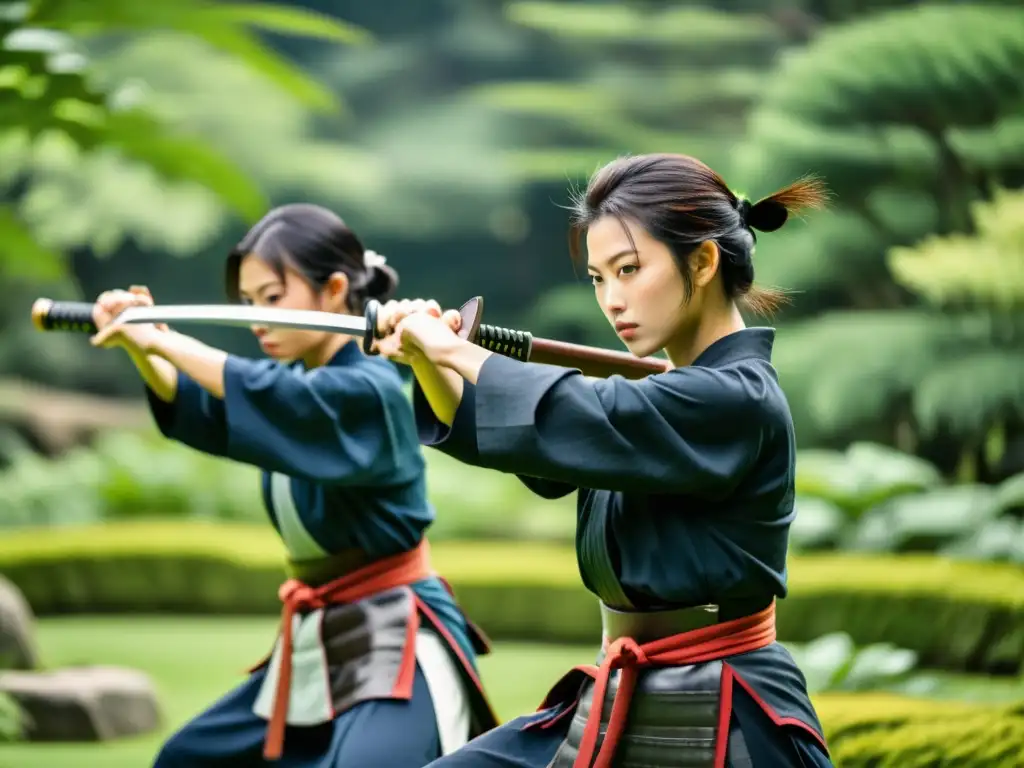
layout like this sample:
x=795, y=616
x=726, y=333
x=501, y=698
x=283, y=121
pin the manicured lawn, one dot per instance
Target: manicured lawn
x=194, y=660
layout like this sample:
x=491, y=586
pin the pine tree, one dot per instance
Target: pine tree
x=912, y=117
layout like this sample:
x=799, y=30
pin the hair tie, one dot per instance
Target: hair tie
x=743, y=207
x=373, y=259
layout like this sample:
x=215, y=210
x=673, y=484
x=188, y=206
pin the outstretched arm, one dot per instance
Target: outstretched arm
x=345, y=425
x=440, y=388
x=201, y=363
x=689, y=430
x=159, y=376
x=439, y=393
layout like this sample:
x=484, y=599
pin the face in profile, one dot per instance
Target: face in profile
x=261, y=286
x=638, y=285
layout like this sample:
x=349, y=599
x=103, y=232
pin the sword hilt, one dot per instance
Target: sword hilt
x=470, y=328
x=74, y=316
x=522, y=345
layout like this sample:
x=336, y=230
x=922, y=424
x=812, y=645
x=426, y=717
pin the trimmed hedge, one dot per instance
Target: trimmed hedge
x=955, y=615
x=847, y=715
x=882, y=731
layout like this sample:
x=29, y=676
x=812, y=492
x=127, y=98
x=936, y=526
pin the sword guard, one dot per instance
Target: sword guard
x=471, y=312
x=372, y=333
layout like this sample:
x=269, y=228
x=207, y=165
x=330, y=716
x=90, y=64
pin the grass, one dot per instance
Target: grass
x=194, y=660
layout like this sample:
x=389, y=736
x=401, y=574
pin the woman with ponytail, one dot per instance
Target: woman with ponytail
x=684, y=481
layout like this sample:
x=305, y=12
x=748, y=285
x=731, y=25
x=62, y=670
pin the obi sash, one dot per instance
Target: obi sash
x=380, y=579
x=647, y=651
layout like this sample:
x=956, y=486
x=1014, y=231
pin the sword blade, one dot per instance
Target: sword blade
x=245, y=316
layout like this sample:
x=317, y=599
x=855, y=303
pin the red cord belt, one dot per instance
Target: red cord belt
x=718, y=641
x=397, y=571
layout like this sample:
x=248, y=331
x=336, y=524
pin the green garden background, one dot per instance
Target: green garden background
x=139, y=140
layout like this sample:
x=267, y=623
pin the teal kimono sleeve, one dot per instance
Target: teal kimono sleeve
x=194, y=418
x=334, y=425
x=691, y=430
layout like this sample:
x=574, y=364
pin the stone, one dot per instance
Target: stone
x=97, y=703
x=17, y=624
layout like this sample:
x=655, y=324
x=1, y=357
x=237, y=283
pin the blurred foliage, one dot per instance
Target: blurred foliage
x=128, y=475
x=701, y=68
x=915, y=117
x=868, y=498
x=466, y=121
x=873, y=499
x=993, y=739
x=53, y=105
x=946, y=380
x=104, y=200
x=977, y=279
x=871, y=106
x=409, y=158
x=833, y=663
x=526, y=590
x=862, y=476
x=983, y=270
x=887, y=80
x=12, y=719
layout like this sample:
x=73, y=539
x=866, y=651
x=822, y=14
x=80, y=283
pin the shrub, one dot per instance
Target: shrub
x=990, y=738
x=881, y=730
x=864, y=475
x=833, y=662
x=869, y=498
x=12, y=719
x=953, y=615
x=126, y=475
x=123, y=475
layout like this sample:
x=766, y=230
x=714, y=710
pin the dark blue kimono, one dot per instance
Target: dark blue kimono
x=685, y=485
x=343, y=473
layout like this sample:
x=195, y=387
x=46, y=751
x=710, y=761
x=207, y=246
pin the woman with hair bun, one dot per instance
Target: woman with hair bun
x=375, y=664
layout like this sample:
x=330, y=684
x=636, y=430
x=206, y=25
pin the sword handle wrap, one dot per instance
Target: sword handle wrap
x=505, y=341
x=74, y=316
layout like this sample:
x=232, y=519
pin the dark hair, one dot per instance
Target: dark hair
x=316, y=243
x=682, y=203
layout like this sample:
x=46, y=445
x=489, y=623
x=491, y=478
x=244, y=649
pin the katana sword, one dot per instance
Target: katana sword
x=76, y=316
